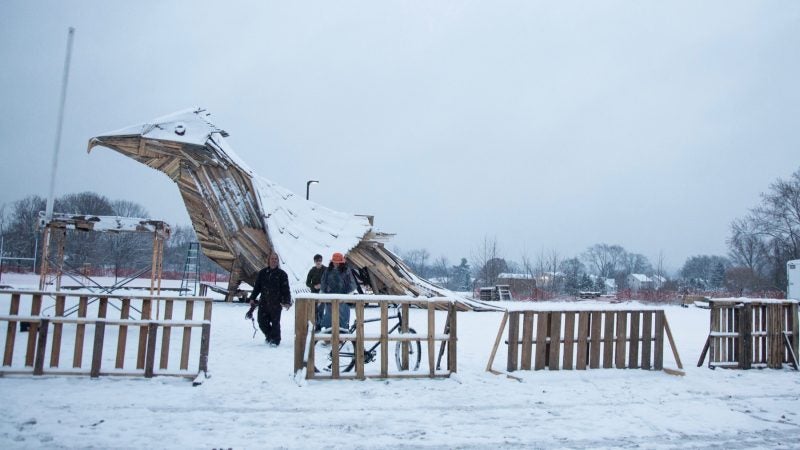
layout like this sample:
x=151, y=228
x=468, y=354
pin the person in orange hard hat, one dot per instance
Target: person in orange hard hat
x=337, y=279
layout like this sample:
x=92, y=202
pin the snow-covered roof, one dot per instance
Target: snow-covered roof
x=516, y=276
x=640, y=277
x=113, y=224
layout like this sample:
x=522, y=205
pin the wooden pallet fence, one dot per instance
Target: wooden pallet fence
x=108, y=329
x=584, y=339
x=751, y=333
x=389, y=334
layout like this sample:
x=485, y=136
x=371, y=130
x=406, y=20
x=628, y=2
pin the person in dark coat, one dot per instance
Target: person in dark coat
x=337, y=280
x=272, y=284
x=313, y=281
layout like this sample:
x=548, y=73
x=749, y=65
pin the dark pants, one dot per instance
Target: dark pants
x=269, y=320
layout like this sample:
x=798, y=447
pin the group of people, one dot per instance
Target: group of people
x=272, y=285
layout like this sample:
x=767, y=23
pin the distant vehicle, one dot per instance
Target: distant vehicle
x=589, y=294
x=793, y=277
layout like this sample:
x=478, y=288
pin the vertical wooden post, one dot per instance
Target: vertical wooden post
x=582, y=354
x=723, y=321
x=404, y=346
x=360, y=340
x=431, y=337
x=145, y=315
x=527, y=340
x=775, y=335
x=555, y=340
x=658, y=351
x=187, y=333
x=166, y=333
x=150, y=358
x=335, y=344
x=608, y=339
x=36, y=308
x=11, y=332
x=77, y=358
x=41, y=347
x=569, y=339
x=647, y=339
x=97, y=351
x=542, y=319
x=300, y=333
x=452, y=353
x=205, y=343
x=122, y=339
x=633, y=354
x=764, y=337
x=384, y=339
x=309, y=316
x=745, y=336
x=622, y=332
x=594, y=347
x=794, y=327
x=55, y=353
x=513, y=340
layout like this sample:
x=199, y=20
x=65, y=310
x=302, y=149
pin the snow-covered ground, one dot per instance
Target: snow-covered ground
x=252, y=401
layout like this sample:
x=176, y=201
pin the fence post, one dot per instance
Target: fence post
x=527, y=340
x=300, y=332
x=794, y=328
x=431, y=336
x=55, y=354
x=205, y=342
x=33, y=327
x=97, y=351
x=41, y=347
x=335, y=339
x=384, y=339
x=775, y=333
x=11, y=333
x=452, y=354
x=360, y=340
x=513, y=340
x=404, y=346
x=746, y=336
x=658, y=351
x=150, y=358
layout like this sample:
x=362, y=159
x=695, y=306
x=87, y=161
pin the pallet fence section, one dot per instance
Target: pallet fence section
x=752, y=333
x=585, y=339
x=396, y=340
x=99, y=335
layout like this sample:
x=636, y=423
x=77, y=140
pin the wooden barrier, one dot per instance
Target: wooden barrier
x=748, y=333
x=408, y=341
x=110, y=338
x=581, y=339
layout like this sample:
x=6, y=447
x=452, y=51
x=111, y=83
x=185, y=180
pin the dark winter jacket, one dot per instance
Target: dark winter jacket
x=314, y=278
x=336, y=281
x=273, y=287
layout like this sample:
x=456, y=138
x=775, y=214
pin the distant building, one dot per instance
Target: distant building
x=611, y=285
x=639, y=281
x=521, y=284
x=658, y=281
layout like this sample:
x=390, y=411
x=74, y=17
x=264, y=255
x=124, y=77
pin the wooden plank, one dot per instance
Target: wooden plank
x=775, y=336
x=404, y=347
x=794, y=327
x=97, y=351
x=619, y=347
x=384, y=339
x=431, y=334
x=150, y=357
x=608, y=339
x=207, y=310
x=335, y=344
x=11, y=332
x=142, y=348
x=301, y=319
x=658, y=351
x=41, y=347
x=704, y=351
x=122, y=339
x=542, y=318
x=714, y=327
x=77, y=357
x=722, y=347
x=36, y=308
x=569, y=339
x=55, y=353
x=555, y=340
x=633, y=351
x=732, y=356
x=205, y=343
x=360, y=340
x=513, y=338
x=187, y=333
x=166, y=334
x=497, y=340
x=672, y=344
x=527, y=340
x=452, y=353
x=764, y=338
x=746, y=336
x=594, y=346
x=582, y=354
x=647, y=333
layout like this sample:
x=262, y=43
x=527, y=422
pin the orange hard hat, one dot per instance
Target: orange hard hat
x=338, y=258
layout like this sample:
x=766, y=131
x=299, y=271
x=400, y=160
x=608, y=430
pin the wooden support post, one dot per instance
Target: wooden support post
x=187, y=333
x=55, y=353
x=301, y=318
x=205, y=344
x=97, y=351
x=555, y=340
x=384, y=339
x=497, y=340
x=513, y=341
x=166, y=334
x=527, y=340
x=145, y=315
x=41, y=347
x=404, y=346
x=309, y=340
x=713, y=327
x=122, y=339
x=582, y=354
x=794, y=327
x=775, y=336
x=658, y=350
x=704, y=351
x=36, y=308
x=77, y=358
x=608, y=339
x=672, y=344
x=633, y=353
x=622, y=334
x=431, y=336
x=11, y=332
x=335, y=344
x=594, y=347
x=647, y=339
x=150, y=358
x=452, y=353
x=360, y=340
x=569, y=339
x=746, y=336
x=542, y=318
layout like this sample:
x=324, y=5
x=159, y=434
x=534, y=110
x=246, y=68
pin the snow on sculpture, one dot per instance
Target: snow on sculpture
x=240, y=217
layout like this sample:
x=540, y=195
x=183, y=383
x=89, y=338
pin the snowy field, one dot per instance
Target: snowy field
x=252, y=401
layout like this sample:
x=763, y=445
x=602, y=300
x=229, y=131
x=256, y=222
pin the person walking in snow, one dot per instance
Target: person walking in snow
x=337, y=280
x=313, y=281
x=272, y=284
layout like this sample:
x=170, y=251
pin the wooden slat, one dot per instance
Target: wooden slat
x=205, y=343
x=608, y=339
x=794, y=328
x=513, y=338
x=647, y=333
x=497, y=340
x=594, y=347
x=775, y=336
x=41, y=347
x=97, y=351
x=55, y=352
x=384, y=339
x=764, y=351
x=527, y=340
x=541, y=339
x=36, y=308
x=555, y=339
x=452, y=353
x=306, y=312
x=150, y=357
x=633, y=351
x=122, y=339
x=431, y=334
x=582, y=354
x=569, y=339
x=404, y=311
x=335, y=344
x=658, y=351
x=166, y=333
x=187, y=333
x=360, y=340
x=11, y=332
x=619, y=346
x=77, y=358
x=713, y=326
x=746, y=337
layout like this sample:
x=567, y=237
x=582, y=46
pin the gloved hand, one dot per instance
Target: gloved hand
x=249, y=315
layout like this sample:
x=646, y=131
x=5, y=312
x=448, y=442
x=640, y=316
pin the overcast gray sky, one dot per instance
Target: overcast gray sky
x=551, y=125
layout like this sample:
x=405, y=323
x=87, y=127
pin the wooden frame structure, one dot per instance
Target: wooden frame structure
x=306, y=337
x=748, y=333
x=49, y=335
x=57, y=227
x=585, y=339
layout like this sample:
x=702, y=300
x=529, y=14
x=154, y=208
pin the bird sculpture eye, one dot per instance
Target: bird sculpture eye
x=180, y=130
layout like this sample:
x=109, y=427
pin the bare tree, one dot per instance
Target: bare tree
x=482, y=260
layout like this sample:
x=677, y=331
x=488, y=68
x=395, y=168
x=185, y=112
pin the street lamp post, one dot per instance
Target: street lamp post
x=308, y=185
